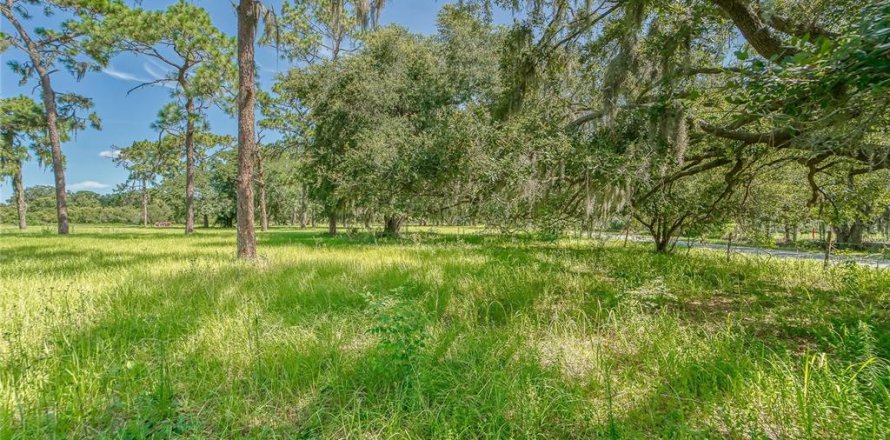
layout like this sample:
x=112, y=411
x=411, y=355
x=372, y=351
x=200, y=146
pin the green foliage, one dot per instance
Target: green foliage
x=86, y=207
x=381, y=122
x=399, y=327
x=65, y=46
x=21, y=120
x=182, y=37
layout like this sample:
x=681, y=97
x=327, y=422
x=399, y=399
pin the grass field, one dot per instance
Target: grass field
x=129, y=333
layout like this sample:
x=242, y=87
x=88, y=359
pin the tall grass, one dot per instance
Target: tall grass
x=127, y=333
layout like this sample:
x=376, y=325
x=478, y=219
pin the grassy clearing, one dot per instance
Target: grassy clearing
x=126, y=333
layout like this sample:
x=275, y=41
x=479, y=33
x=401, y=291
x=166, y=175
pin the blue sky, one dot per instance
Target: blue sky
x=126, y=118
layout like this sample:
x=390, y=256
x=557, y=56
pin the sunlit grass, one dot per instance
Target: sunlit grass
x=123, y=332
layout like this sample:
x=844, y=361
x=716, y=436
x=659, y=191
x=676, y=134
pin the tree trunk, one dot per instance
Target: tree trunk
x=332, y=224
x=303, y=206
x=190, y=166
x=261, y=184
x=392, y=224
x=247, y=24
x=626, y=233
x=52, y=129
x=850, y=234
x=18, y=188
x=661, y=244
x=662, y=231
x=144, y=205
x=729, y=245
x=206, y=221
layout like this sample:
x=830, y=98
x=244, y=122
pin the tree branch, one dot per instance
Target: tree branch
x=756, y=32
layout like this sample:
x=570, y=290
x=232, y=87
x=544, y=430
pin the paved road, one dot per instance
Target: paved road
x=779, y=253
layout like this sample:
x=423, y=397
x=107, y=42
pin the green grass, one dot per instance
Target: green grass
x=129, y=333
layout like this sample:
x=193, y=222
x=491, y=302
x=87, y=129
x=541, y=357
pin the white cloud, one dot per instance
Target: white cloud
x=117, y=74
x=88, y=185
x=154, y=71
x=110, y=154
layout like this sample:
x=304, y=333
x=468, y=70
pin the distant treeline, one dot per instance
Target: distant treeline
x=85, y=207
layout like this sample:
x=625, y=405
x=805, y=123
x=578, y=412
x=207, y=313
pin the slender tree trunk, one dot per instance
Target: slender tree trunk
x=261, y=184
x=626, y=234
x=729, y=245
x=247, y=26
x=206, y=221
x=304, y=211
x=144, y=205
x=332, y=225
x=190, y=166
x=52, y=129
x=18, y=187
x=828, y=248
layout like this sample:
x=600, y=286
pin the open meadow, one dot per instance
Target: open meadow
x=681, y=210
x=133, y=333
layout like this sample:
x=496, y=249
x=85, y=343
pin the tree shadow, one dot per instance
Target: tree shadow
x=57, y=261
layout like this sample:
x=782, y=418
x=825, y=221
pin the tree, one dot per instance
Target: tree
x=316, y=31
x=851, y=202
x=163, y=158
x=47, y=50
x=385, y=125
x=146, y=160
x=313, y=33
x=249, y=12
x=263, y=155
x=813, y=93
x=775, y=198
x=20, y=119
x=182, y=38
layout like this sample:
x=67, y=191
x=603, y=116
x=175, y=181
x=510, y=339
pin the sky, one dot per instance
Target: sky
x=127, y=117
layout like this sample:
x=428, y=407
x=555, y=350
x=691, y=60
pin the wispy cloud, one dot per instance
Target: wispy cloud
x=88, y=185
x=110, y=154
x=153, y=75
x=154, y=71
x=117, y=74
